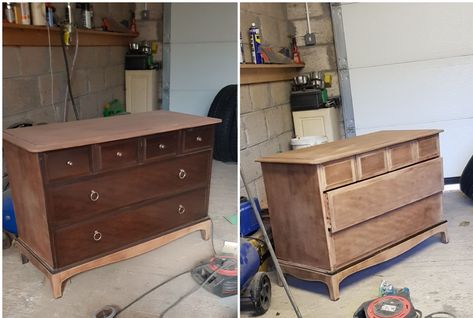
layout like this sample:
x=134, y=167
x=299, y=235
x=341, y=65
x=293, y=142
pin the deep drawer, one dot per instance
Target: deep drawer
x=363, y=239
x=83, y=199
x=72, y=162
x=198, y=138
x=361, y=201
x=119, y=154
x=91, y=239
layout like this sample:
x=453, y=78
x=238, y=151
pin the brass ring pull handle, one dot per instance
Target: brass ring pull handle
x=69, y=163
x=162, y=146
x=182, y=174
x=94, y=196
x=119, y=154
x=97, y=236
x=198, y=138
x=181, y=209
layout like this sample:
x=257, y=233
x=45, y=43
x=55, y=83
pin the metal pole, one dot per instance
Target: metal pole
x=271, y=250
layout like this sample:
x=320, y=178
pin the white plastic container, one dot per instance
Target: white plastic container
x=307, y=141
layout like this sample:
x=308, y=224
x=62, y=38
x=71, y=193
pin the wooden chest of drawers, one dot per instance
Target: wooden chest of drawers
x=93, y=192
x=340, y=207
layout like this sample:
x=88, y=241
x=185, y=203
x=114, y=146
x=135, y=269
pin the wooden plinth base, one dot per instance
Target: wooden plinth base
x=333, y=280
x=58, y=278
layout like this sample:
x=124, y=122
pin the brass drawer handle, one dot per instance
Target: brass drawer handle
x=162, y=146
x=119, y=154
x=69, y=163
x=198, y=138
x=97, y=236
x=181, y=209
x=182, y=174
x=94, y=195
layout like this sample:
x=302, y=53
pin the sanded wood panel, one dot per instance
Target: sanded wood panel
x=428, y=147
x=371, y=164
x=24, y=172
x=296, y=215
x=365, y=238
x=358, y=202
x=402, y=155
x=338, y=173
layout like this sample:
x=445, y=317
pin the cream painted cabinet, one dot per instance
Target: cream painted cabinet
x=141, y=91
x=317, y=122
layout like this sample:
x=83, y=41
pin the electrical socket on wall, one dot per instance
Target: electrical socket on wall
x=309, y=39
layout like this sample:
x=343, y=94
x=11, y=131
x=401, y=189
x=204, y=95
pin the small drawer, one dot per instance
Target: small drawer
x=162, y=145
x=105, y=234
x=338, y=173
x=198, y=138
x=428, y=147
x=119, y=154
x=73, y=162
x=402, y=155
x=371, y=164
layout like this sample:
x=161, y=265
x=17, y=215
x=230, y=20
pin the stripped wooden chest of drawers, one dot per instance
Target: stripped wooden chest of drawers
x=93, y=192
x=343, y=206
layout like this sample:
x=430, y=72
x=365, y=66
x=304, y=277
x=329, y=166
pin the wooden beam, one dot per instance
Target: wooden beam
x=263, y=73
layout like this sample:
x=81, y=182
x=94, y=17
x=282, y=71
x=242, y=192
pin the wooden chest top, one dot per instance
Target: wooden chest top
x=98, y=130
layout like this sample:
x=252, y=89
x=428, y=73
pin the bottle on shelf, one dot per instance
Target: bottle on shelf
x=255, y=42
x=296, y=56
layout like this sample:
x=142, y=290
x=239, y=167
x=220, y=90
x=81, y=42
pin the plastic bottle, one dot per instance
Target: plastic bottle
x=296, y=56
x=255, y=42
x=9, y=14
x=38, y=13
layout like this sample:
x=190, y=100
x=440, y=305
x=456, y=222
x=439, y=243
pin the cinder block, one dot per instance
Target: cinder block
x=243, y=139
x=79, y=83
x=86, y=57
x=59, y=84
x=254, y=127
x=43, y=115
x=34, y=60
x=280, y=92
x=274, y=121
x=260, y=96
x=103, y=56
x=261, y=193
x=268, y=27
x=11, y=62
x=335, y=89
x=91, y=105
x=251, y=170
x=101, y=10
x=316, y=58
x=285, y=141
x=287, y=117
x=155, y=10
x=119, y=93
x=269, y=147
x=19, y=95
x=114, y=75
x=297, y=10
x=245, y=100
x=323, y=28
x=148, y=30
x=117, y=55
x=96, y=79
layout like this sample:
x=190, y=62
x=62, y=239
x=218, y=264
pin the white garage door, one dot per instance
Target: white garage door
x=411, y=67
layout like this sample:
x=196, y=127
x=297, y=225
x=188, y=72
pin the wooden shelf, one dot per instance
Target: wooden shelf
x=30, y=35
x=264, y=73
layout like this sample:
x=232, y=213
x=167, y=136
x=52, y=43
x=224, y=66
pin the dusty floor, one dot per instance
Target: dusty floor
x=26, y=293
x=440, y=277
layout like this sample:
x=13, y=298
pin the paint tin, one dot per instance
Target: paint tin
x=255, y=42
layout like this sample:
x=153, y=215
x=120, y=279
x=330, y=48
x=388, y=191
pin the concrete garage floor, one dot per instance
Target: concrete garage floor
x=26, y=293
x=440, y=277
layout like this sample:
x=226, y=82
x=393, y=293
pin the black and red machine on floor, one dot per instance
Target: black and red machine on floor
x=389, y=306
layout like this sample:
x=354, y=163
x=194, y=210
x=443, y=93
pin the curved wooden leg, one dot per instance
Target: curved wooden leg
x=56, y=285
x=444, y=237
x=205, y=231
x=333, y=285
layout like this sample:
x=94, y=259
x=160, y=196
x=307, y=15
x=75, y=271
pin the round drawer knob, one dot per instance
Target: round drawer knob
x=182, y=173
x=181, y=209
x=119, y=154
x=69, y=163
x=94, y=195
x=97, y=236
x=198, y=138
x=162, y=146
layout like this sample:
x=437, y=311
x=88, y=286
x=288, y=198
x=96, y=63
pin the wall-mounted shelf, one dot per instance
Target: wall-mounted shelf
x=263, y=73
x=30, y=35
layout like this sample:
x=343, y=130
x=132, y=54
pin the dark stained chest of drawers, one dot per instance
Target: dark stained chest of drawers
x=86, y=190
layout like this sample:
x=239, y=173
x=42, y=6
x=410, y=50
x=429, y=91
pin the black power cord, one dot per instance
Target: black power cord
x=74, y=107
x=435, y=314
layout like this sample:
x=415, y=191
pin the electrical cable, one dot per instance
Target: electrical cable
x=66, y=109
x=74, y=107
x=56, y=115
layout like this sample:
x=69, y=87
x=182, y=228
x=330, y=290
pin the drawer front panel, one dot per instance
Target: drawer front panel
x=83, y=199
x=162, y=145
x=428, y=147
x=364, y=200
x=72, y=162
x=371, y=164
x=198, y=138
x=119, y=154
x=338, y=173
x=76, y=243
x=365, y=238
x=402, y=155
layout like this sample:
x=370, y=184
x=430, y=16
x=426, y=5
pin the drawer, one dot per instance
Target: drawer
x=98, y=236
x=366, y=238
x=83, y=199
x=198, y=138
x=162, y=145
x=402, y=155
x=428, y=147
x=72, y=162
x=119, y=154
x=338, y=173
x=371, y=164
x=364, y=200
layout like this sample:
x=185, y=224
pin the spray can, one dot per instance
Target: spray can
x=10, y=15
x=255, y=42
x=242, y=55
